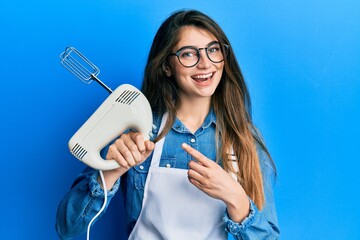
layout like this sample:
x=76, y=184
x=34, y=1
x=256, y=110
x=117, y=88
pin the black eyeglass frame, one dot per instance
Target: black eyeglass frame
x=177, y=53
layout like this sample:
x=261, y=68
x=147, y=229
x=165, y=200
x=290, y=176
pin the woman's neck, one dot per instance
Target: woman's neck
x=193, y=112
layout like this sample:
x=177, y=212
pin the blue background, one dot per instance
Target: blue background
x=301, y=62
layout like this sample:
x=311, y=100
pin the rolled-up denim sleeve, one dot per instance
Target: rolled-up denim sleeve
x=258, y=224
x=81, y=204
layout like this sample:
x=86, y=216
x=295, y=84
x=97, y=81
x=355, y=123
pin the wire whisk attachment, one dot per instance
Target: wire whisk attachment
x=81, y=67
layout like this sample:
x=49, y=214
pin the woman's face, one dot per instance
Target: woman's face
x=201, y=80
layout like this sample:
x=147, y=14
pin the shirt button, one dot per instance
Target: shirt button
x=192, y=140
x=141, y=167
x=168, y=165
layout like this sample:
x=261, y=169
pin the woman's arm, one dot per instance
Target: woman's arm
x=242, y=219
x=81, y=204
x=258, y=224
x=86, y=196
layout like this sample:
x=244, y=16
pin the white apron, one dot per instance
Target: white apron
x=173, y=208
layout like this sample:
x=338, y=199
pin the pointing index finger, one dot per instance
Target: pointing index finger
x=195, y=154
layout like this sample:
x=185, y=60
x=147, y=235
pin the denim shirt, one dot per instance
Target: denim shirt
x=86, y=196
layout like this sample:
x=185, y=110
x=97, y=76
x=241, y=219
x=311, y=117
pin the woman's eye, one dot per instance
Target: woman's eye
x=188, y=54
x=214, y=49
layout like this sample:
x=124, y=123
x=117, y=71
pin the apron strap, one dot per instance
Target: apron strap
x=234, y=163
x=155, y=161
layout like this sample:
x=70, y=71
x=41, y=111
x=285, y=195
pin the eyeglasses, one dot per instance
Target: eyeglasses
x=189, y=56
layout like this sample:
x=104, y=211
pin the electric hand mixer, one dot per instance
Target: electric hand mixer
x=125, y=108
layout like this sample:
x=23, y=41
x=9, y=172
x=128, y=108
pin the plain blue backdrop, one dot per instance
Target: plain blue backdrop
x=301, y=60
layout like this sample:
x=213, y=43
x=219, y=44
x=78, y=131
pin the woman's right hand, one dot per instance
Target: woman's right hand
x=129, y=150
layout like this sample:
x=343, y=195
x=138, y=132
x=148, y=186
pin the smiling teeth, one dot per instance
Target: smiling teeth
x=204, y=76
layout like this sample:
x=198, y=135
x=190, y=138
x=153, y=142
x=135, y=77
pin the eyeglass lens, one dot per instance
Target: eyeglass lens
x=190, y=56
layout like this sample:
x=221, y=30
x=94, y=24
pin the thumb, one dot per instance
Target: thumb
x=149, y=148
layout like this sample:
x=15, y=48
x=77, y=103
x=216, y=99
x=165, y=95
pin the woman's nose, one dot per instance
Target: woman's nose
x=204, y=61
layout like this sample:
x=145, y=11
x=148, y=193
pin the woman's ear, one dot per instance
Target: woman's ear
x=166, y=70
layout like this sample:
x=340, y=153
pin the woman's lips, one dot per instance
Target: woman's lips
x=203, y=77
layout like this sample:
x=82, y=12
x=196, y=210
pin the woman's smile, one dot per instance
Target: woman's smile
x=203, y=79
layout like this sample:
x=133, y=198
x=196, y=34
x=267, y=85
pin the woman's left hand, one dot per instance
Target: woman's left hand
x=213, y=180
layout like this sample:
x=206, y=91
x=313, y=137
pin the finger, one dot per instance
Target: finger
x=130, y=146
x=195, y=183
x=139, y=141
x=149, y=148
x=114, y=154
x=198, y=167
x=196, y=155
x=124, y=150
x=195, y=175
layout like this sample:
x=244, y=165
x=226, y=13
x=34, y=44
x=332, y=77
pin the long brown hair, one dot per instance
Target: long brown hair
x=231, y=100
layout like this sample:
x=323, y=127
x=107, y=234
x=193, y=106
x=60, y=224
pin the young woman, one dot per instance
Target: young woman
x=207, y=173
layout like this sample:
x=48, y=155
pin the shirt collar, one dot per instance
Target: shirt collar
x=178, y=126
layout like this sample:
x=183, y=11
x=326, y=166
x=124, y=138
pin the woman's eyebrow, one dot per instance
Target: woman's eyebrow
x=210, y=43
x=192, y=46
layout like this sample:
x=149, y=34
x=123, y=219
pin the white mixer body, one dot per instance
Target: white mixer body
x=125, y=108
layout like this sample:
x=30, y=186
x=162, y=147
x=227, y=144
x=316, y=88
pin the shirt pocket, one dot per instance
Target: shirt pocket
x=140, y=173
x=168, y=161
